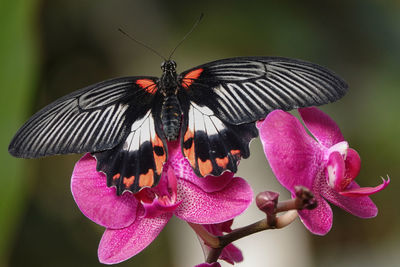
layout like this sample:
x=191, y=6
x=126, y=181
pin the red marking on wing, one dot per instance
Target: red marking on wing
x=115, y=177
x=148, y=85
x=129, y=181
x=222, y=162
x=159, y=159
x=146, y=179
x=189, y=152
x=205, y=167
x=190, y=77
x=235, y=152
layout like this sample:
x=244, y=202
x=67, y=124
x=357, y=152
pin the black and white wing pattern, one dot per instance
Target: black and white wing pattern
x=211, y=145
x=92, y=119
x=243, y=90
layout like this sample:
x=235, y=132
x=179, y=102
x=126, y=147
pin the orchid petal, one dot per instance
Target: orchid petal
x=335, y=169
x=293, y=154
x=121, y=244
x=365, y=191
x=362, y=206
x=157, y=208
x=353, y=164
x=231, y=254
x=318, y=220
x=322, y=127
x=201, y=207
x=97, y=201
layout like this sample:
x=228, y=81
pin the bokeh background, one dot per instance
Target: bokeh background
x=49, y=48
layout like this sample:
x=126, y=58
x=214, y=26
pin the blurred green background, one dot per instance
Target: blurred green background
x=51, y=47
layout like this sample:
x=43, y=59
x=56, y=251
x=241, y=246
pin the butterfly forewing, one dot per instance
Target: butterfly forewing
x=243, y=90
x=92, y=119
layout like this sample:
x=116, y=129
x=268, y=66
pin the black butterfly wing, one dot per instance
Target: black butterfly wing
x=114, y=120
x=92, y=119
x=242, y=90
x=226, y=97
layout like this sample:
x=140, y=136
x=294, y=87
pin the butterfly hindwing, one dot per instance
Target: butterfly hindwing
x=211, y=145
x=243, y=90
x=92, y=119
x=138, y=161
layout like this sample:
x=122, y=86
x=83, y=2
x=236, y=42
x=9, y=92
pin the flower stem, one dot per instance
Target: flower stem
x=208, y=238
x=268, y=203
x=279, y=222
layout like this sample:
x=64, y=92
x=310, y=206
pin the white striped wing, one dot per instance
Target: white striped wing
x=242, y=90
x=92, y=119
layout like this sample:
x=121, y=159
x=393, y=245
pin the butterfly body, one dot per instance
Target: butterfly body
x=211, y=110
x=171, y=112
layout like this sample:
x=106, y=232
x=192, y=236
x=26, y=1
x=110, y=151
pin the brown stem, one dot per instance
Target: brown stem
x=280, y=222
x=208, y=238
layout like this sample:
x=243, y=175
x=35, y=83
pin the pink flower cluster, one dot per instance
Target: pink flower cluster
x=323, y=163
x=133, y=221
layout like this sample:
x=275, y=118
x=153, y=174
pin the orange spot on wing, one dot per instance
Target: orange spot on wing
x=189, y=152
x=235, y=152
x=148, y=85
x=115, y=177
x=158, y=159
x=190, y=77
x=205, y=167
x=129, y=181
x=188, y=135
x=157, y=141
x=222, y=162
x=146, y=179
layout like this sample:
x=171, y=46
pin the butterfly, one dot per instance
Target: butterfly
x=211, y=110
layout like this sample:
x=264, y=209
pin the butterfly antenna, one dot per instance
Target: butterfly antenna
x=141, y=43
x=184, y=37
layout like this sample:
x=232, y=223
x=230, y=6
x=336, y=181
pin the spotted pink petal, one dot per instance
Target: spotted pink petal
x=293, y=154
x=322, y=127
x=97, y=201
x=318, y=220
x=121, y=244
x=201, y=207
x=362, y=206
x=365, y=191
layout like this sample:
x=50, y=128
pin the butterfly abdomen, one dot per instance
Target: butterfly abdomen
x=171, y=114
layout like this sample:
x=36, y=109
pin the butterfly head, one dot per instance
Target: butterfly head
x=168, y=66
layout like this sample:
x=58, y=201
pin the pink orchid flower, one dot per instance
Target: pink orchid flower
x=133, y=221
x=230, y=253
x=325, y=164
